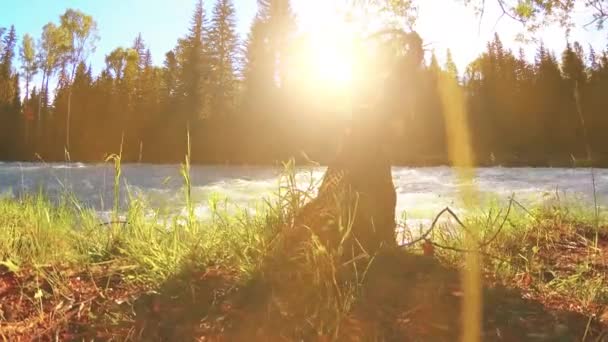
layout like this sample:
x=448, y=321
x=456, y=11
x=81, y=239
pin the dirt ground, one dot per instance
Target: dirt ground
x=404, y=297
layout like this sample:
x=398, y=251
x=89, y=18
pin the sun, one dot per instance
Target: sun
x=330, y=62
x=330, y=58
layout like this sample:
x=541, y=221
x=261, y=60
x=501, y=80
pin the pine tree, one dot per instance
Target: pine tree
x=575, y=78
x=450, y=66
x=573, y=65
x=81, y=123
x=434, y=65
x=281, y=28
x=148, y=107
x=171, y=80
x=9, y=96
x=223, y=40
x=549, y=94
x=267, y=49
x=259, y=67
x=193, y=58
x=8, y=52
x=140, y=47
x=594, y=63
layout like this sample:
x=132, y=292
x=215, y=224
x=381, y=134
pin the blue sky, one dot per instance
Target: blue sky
x=161, y=22
x=442, y=24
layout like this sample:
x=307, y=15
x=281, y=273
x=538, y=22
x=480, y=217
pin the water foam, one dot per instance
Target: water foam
x=421, y=192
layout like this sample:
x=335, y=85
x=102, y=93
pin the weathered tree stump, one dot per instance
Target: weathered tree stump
x=355, y=206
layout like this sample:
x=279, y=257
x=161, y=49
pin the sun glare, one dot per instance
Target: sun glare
x=329, y=57
x=332, y=60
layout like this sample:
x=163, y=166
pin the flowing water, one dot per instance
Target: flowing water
x=421, y=192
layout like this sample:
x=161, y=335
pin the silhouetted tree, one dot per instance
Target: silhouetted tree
x=259, y=105
x=450, y=66
x=223, y=41
x=9, y=95
x=194, y=63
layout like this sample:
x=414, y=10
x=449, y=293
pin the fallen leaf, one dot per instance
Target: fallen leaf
x=427, y=248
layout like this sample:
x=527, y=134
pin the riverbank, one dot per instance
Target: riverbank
x=66, y=276
x=565, y=160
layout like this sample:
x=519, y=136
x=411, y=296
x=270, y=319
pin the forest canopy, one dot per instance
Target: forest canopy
x=280, y=92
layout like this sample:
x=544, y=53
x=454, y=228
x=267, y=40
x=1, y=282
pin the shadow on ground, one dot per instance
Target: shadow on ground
x=403, y=297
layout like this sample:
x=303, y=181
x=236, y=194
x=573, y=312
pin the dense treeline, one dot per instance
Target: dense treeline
x=244, y=102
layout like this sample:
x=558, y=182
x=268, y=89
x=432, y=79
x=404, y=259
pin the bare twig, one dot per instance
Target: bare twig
x=490, y=240
x=459, y=221
x=434, y=223
x=428, y=231
x=522, y=207
x=592, y=21
x=481, y=13
x=480, y=244
x=506, y=12
x=462, y=250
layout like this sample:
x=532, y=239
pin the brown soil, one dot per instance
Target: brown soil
x=405, y=297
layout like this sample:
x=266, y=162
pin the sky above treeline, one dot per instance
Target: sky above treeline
x=441, y=23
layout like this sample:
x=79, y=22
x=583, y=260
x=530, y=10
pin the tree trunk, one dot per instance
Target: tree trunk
x=26, y=123
x=48, y=125
x=67, y=124
x=39, y=119
x=40, y=101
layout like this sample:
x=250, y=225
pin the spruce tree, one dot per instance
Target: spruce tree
x=193, y=58
x=450, y=66
x=223, y=40
x=9, y=96
x=140, y=47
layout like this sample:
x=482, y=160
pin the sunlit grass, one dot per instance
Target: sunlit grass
x=550, y=248
x=147, y=248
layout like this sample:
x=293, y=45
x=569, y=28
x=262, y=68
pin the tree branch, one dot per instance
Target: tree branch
x=505, y=11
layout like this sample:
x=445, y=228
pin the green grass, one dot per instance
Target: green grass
x=555, y=254
x=554, y=251
x=36, y=231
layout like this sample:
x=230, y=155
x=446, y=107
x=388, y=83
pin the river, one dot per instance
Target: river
x=421, y=192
